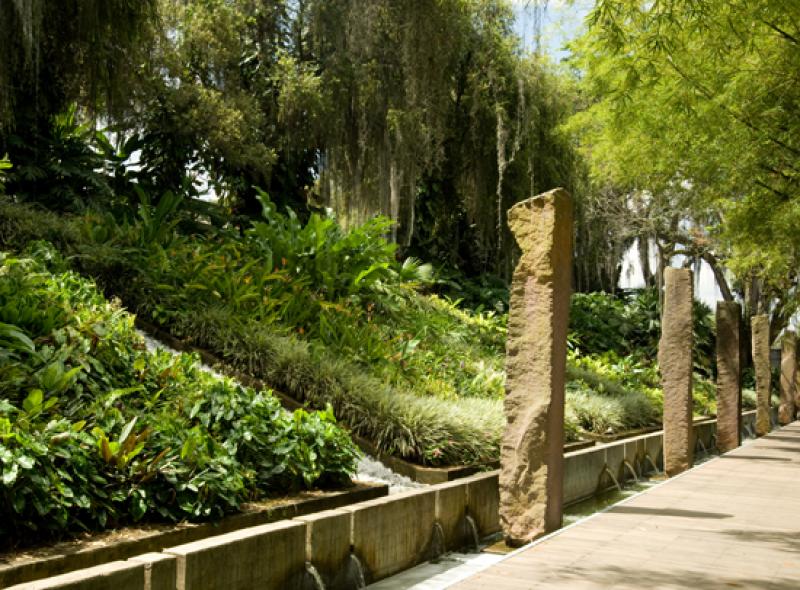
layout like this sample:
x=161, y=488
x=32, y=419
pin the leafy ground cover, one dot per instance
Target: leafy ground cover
x=323, y=315
x=329, y=316
x=96, y=432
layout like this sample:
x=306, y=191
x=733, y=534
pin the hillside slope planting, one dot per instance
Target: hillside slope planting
x=97, y=432
x=328, y=316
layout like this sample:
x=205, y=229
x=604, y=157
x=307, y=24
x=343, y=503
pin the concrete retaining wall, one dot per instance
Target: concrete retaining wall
x=398, y=546
x=367, y=541
x=266, y=556
x=119, y=575
x=156, y=539
x=589, y=471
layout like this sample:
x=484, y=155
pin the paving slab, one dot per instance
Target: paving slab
x=723, y=524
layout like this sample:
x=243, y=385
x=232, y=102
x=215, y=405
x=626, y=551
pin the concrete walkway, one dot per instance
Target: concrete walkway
x=733, y=522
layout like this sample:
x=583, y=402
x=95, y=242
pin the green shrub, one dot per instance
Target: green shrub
x=599, y=323
x=482, y=293
x=595, y=413
x=21, y=224
x=335, y=262
x=96, y=432
x=57, y=166
x=631, y=326
x=749, y=400
x=704, y=396
x=604, y=414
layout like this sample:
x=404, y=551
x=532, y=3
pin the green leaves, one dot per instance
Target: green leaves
x=694, y=104
x=11, y=337
x=336, y=263
x=4, y=165
x=10, y=474
x=33, y=402
x=95, y=431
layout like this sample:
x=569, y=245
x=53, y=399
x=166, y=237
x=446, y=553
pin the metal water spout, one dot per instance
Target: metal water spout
x=613, y=477
x=438, y=543
x=631, y=470
x=649, y=459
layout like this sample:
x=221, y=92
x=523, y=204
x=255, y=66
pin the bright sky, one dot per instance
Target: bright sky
x=562, y=20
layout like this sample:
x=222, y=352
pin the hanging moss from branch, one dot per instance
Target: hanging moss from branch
x=417, y=90
x=59, y=51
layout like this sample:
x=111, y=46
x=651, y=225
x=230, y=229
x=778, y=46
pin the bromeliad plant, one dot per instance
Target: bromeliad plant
x=337, y=263
x=96, y=431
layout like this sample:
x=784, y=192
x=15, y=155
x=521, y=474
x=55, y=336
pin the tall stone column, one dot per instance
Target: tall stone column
x=729, y=386
x=675, y=362
x=797, y=387
x=786, y=411
x=532, y=453
x=760, y=335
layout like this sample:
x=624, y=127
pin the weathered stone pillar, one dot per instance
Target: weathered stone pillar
x=760, y=335
x=729, y=386
x=675, y=363
x=797, y=386
x=532, y=454
x=788, y=370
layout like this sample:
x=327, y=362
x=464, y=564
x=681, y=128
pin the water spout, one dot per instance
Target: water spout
x=355, y=562
x=315, y=577
x=701, y=445
x=627, y=464
x=649, y=459
x=473, y=527
x=438, y=542
x=613, y=478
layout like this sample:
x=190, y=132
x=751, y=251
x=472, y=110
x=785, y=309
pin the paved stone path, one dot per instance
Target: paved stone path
x=733, y=522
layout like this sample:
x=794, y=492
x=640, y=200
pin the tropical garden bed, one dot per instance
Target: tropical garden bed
x=96, y=432
x=328, y=317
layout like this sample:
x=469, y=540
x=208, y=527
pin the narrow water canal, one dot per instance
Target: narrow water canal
x=454, y=567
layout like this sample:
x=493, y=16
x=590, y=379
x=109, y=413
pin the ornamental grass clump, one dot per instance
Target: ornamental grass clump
x=427, y=430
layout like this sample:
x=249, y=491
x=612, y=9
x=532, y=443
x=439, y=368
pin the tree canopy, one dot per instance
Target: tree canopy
x=428, y=112
x=432, y=113
x=693, y=107
x=57, y=53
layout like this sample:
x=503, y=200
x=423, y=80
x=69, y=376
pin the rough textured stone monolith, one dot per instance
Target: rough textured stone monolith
x=675, y=362
x=532, y=462
x=797, y=387
x=760, y=339
x=729, y=386
x=788, y=370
